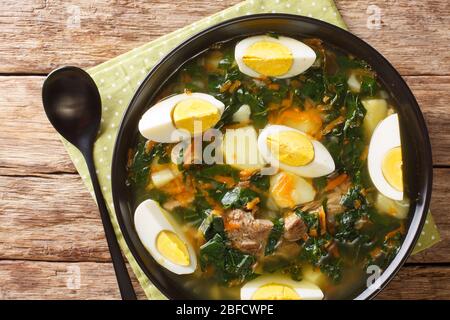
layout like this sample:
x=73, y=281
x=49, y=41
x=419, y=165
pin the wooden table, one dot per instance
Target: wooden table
x=51, y=240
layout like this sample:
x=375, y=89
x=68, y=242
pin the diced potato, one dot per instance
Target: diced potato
x=397, y=209
x=376, y=111
x=162, y=177
x=241, y=149
x=243, y=114
x=354, y=84
x=288, y=190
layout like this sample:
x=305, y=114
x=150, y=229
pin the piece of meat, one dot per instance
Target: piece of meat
x=294, y=228
x=334, y=199
x=247, y=233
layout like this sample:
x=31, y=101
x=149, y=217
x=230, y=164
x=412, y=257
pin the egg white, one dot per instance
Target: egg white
x=149, y=220
x=305, y=289
x=322, y=164
x=302, y=55
x=385, y=137
x=156, y=124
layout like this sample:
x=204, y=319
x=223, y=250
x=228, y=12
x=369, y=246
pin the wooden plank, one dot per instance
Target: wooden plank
x=90, y=280
x=62, y=280
x=30, y=145
x=421, y=282
x=52, y=217
x=432, y=94
x=39, y=35
x=409, y=32
x=49, y=217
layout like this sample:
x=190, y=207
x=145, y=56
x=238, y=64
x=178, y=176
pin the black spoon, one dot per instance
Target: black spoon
x=73, y=106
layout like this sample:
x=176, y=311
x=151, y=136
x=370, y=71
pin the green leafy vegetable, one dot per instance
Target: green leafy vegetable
x=212, y=225
x=229, y=264
x=274, y=236
x=369, y=86
x=262, y=182
x=238, y=198
x=311, y=219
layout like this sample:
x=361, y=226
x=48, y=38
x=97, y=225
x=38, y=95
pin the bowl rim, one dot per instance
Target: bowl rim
x=417, y=221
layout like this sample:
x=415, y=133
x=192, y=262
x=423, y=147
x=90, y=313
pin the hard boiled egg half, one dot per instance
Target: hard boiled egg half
x=163, y=239
x=294, y=151
x=279, y=287
x=385, y=158
x=180, y=116
x=278, y=57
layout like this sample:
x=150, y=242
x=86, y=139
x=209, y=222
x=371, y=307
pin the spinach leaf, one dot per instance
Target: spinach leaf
x=354, y=199
x=262, y=182
x=196, y=213
x=157, y=195
x=311, y=219
x=274, y=236
x=238, y=197
x=369, y=86
x=345, y=229
x=210, y=171
x=320, y=183
x=314, y=252
x=313, y=87
x=257, y=107
x=212, y=225
x=230, y=264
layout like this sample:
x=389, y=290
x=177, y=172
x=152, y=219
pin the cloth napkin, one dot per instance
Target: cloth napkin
x=118, y=79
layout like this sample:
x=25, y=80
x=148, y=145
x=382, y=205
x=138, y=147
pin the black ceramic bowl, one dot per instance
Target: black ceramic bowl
x=415, y=141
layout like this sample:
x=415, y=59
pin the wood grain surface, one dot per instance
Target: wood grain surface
x=51, y=240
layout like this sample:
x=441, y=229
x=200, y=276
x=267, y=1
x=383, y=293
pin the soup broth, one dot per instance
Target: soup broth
x=244, y=224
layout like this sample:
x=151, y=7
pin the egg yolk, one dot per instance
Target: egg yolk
x=172, y=248
x=275, y=291
x=392, y=168
x=195, y=115
x=291, y=148
x=268, y=58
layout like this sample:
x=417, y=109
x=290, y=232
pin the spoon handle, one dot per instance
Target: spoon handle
x=123, y=278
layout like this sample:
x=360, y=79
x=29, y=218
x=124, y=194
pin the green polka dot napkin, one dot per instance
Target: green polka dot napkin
x=118, y=78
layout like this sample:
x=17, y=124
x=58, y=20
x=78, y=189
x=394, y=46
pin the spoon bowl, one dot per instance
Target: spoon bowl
x=73, y=105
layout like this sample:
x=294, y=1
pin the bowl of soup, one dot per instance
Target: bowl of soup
x=272, y=157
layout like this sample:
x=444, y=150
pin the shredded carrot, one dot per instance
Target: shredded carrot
x=313, y=232
x=252, y=204
x=229, y=181
x=236, y=84
x=375, y=252
x=335, y=182
x=322, y=221
x=149, y=146
x=332, y=125
x=274, y=86
x=225, y=86
x=394, y=232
